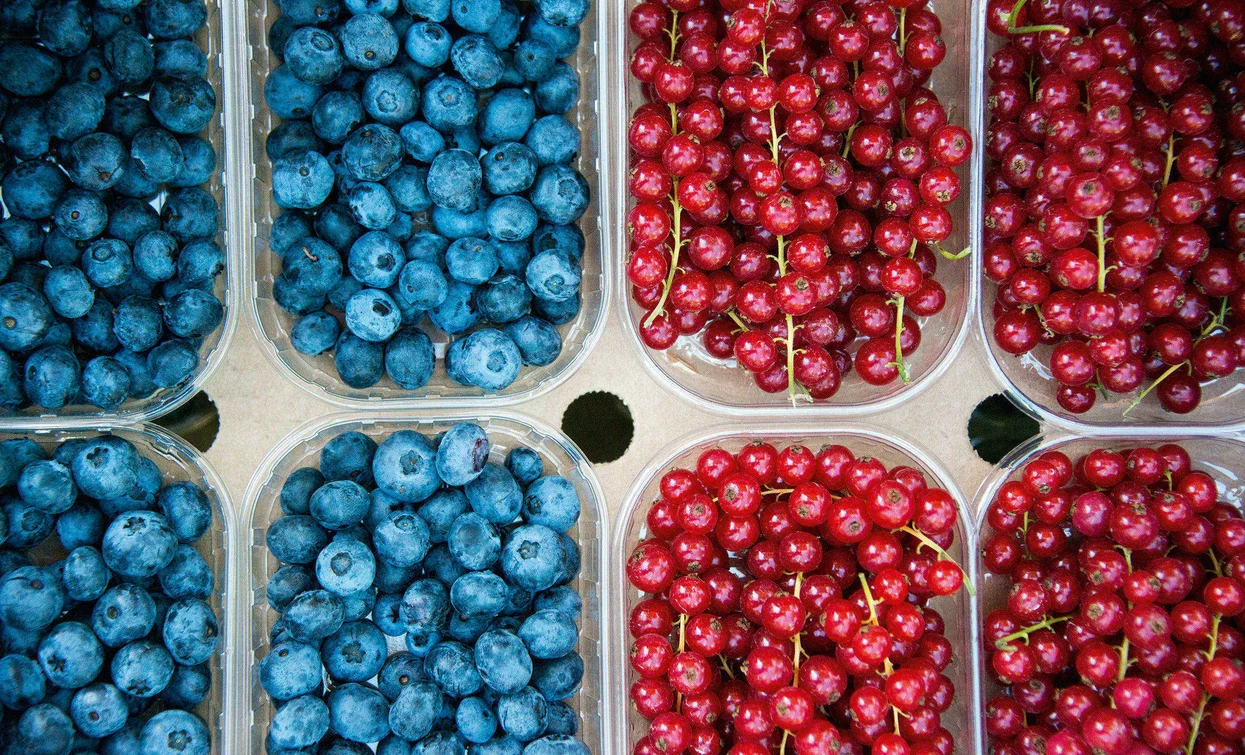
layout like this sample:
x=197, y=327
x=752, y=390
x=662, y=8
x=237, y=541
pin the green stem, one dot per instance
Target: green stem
x=1197, y=724
x=1171, y=158
x=942, y=555
x=674, y=266
x=899, y=363
x=1119, y=677
x=873, y=611
x=1149, y=389
x=1012, y=28
x=1005, y=642
x=1102, y=256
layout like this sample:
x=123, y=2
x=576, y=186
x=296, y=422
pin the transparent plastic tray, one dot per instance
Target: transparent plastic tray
x=317, y=374
x=958, y=611
x=217, y=41
x=505, y=430
x=1028, y=380
x=179, y=462
x=721, y=385
x=1221, y=458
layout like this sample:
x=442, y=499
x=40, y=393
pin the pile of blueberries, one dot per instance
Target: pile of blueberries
x=106, y=649
x=425, y=167
x=459, y=564
x=108, y=258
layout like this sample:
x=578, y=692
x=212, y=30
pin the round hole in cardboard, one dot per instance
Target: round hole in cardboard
x=196, y=421
x=600, y=424
x=997, y=426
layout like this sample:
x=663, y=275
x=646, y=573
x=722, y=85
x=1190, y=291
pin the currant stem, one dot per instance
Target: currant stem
x=1005, y=642
x=1102, y=256
x=799, y=583
x=873, y=611
x=734, y=316
x=1011, y=23
x=1197, y=724
x=1150, y=388
x=942, y=555
x=1124, y=662
x=899, y=363
x=1214, y=637
x=1171, y=158
x=674, y=264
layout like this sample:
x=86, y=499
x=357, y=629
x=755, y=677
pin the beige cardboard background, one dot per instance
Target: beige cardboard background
x=258, y=407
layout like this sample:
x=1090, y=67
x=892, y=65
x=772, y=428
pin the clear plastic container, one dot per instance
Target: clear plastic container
x=722, y=386
x=179, y=462
x=1222, y=458
x=217, y=39
x=317, y=374
x=1028, y=379
x=505, y=430
x=958, y=611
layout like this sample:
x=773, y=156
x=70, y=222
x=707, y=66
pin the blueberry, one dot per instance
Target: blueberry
x=290, y=138
x=553, y=502
x=171, y=19
x=372, y=153
x=193, y=314
x=557, y=744
x=562, y=720
x=449, y=103
x=286, y=583
x=425, y=605
x=302, y=722
x=552, y=276
x=25, y=317
x=340, y=504
x=391, y=97
x=291, y=669
x=157, y=153
x=538, y=341
x=198, y=162
x=458, y=312
x=549, y=634
x=302, y=180
x=373, y=315
x=400, y=670
x=562, y=40
x=315, y=333
x=489, y=359
x=296, y=539
x=70, y=655
x=475, y=59
x=421, y=141
x=22, y=684
x=191, y=214
x=511, y=218
x=187, y=508
x=474, y=542
x=180, y=56
x=372, y=205
x=345, y=566
x=405, y=467
x=476, y=15
x=433, y=10
x=183, y=104
x=503, y=745
x=454, y=179
x=466, y=630
x=408, y=186
x=428, y=43
x=476, y=720
x=313, y=55
x=479, y=594
x=553, y=140
x=410, y=359
x=130, y=57
x=359, y=713
x=369, y=41
x=43, y=730
x=32, y=71
x=387, y=614
x=506, y=117
x=523, y=714
x=531, y=557
x=188, y=575
x=32, y=188
x=533, y=59
x=504, y=33
x=190, y=631
x=451, y=667
x=142, y=669
x=336, y=114
x=525, y=464
x=559, y=679
x=413, y=712
x=354, y=653
x=314, y=615
x=462, y=453
x=122, y=615
x=47, y=485
x=81, y=215
x=295, y=497
x=402, y=539
x=360, y=363
x=139, y=544
x=86, y=576
x=189, y=686
x=513, y=257
x=509, y=168
x=171, y=363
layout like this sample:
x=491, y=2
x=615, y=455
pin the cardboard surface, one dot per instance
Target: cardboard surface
x=258, y=407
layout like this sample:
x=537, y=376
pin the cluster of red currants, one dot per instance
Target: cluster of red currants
x=1113, y=224
x=789, y=607
x=762, y=116
x=1122, y=629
